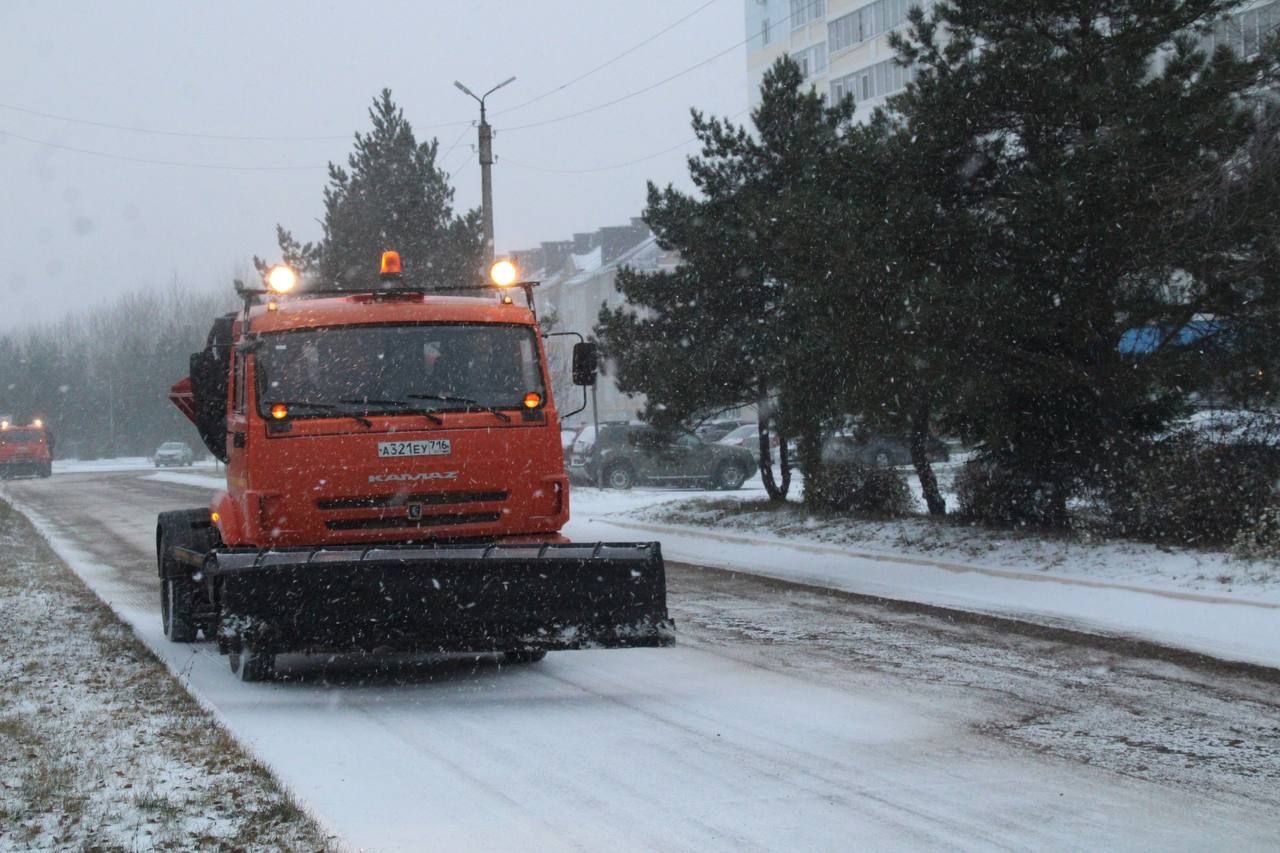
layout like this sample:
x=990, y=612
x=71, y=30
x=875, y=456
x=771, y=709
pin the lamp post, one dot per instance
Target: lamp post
x=486, y=161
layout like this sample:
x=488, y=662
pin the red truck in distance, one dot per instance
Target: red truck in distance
x=25, y=449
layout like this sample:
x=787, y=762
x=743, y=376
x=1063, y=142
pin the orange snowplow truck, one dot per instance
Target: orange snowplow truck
x=394, y=481
x=25, y=449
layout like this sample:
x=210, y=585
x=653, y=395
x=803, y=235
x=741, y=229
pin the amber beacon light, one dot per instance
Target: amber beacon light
x=390, y=267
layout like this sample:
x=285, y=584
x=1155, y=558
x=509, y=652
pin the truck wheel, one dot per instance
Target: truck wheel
x=181, y=597
x=47, y=470
x=730, y=475
x=619, y=477
x=251, y=666
x=524, y=655
x=177, y=596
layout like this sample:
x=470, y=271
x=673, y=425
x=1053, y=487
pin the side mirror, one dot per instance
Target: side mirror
x=209, y=388
x=586, y=363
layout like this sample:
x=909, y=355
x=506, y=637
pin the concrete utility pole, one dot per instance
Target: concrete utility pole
x=486, y=161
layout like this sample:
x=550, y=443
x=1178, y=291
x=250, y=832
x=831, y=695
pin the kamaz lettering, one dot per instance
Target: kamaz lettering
x=410, y=478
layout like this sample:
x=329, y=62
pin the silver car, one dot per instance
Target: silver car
x=173, y=453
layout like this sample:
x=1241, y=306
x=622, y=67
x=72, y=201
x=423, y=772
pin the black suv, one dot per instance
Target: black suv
x=628, y=454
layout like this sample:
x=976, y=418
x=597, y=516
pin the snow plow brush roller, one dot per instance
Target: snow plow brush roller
x=443, y=598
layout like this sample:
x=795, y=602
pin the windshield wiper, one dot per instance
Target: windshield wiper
x=399, y=404
x=471, y=405
x=327, y=407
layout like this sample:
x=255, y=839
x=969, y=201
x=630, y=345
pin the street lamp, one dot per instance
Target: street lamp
x=486, y=160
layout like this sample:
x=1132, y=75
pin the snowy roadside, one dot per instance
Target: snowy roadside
x=1127, y=590
x=99, y=746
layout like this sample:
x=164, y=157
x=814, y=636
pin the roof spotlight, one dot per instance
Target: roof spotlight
x=281, y=279
x=504, y=273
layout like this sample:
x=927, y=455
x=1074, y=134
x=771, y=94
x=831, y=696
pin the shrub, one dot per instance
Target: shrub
x=860, y=488
x=1260, y=540
x=992, y=493
x=1188, y=491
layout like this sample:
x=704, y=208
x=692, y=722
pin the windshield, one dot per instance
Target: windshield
x=385, y=369
x=172, y=445
x=16, y=435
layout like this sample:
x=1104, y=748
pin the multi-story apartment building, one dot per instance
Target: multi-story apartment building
x=843, y=45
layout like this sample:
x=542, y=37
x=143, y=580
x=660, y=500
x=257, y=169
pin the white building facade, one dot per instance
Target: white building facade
x=843, y=45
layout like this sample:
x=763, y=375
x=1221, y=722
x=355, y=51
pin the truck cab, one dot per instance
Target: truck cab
x=25, y=449
x=435, y=410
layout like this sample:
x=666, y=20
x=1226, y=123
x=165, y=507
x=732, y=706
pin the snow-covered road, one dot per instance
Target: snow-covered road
x=784, y=719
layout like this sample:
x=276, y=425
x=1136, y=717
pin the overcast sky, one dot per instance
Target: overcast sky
x=77, y=228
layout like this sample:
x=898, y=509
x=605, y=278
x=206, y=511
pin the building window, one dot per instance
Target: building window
x=867, y=23
x=812, y=60
x=1245, y=33
x=874, y=81
x=804, y=11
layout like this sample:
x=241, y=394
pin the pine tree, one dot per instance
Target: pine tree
x=1088, y=132
x=391, y=195
x=728, y=328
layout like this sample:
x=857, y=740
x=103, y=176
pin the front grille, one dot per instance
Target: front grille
x=427, y=499
x=402, y=522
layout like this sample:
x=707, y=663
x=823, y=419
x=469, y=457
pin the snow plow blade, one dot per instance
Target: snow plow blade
x=447, y=598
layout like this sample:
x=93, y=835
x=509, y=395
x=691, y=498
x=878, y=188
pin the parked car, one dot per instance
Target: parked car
x=747, y=437
x=872, y=448
x=173, y=453
x=629, y=454
x=568, y=435
x=716, y=430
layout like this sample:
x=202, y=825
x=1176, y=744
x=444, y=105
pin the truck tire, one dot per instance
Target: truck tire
x=180, y=596
x=619, y=476
x=177, y=599
x=252, y=666
x=730, y=476
x=47, y=470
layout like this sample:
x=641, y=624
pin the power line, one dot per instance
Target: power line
x=607, y=63
x=441, y=159
x=637, y=92
x=215, y=136
x=453, y=146
x=465, y=123
x=151, y=162
x=181, y=134
x=615, y=166
x=333, y=137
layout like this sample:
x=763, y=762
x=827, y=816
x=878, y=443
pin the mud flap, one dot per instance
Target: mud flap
x=447, y=598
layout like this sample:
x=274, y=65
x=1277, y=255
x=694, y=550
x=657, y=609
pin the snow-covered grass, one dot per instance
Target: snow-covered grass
x=1206, y=601
x=99, y=746
x=1073, y=554
x=123, y=463
x=1082, y=554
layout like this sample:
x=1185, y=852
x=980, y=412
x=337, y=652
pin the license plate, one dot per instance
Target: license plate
x=430, y=447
